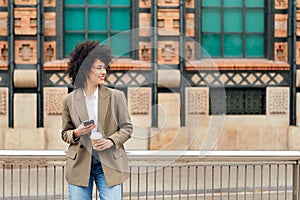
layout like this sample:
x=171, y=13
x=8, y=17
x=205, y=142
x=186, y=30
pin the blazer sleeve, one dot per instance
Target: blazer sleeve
x=123, y=119
x=67, y=124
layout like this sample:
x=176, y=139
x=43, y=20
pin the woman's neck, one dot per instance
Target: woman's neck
x=89, y=90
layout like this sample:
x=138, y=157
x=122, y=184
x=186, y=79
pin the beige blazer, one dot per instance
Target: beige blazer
x=113, y=121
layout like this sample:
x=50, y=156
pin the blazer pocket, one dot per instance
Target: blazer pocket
x=118, y=153
x=71, y=154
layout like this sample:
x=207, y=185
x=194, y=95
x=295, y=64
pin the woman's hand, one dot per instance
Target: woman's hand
x=83, y=130
x=103, y=144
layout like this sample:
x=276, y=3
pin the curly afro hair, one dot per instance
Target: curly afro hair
x=82, y=58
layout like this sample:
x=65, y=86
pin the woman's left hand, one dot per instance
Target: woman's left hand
x=103, y=144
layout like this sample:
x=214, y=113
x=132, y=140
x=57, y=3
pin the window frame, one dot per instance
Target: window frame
x=268, y=32
x=61, y=32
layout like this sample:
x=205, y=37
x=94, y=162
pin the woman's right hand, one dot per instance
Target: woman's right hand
x=83, y=130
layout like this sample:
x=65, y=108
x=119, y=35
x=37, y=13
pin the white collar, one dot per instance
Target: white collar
x=94, y=96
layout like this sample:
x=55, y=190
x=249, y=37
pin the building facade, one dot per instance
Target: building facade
x=198, y=74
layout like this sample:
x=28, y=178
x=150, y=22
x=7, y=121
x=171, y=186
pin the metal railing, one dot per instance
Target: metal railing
x=204, y=175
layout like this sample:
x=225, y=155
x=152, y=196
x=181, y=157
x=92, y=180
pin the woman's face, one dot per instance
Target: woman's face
x=98, y=73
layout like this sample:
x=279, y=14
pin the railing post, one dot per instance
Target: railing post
x=296, y=181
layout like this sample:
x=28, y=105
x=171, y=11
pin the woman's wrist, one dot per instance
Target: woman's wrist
x=75, y=133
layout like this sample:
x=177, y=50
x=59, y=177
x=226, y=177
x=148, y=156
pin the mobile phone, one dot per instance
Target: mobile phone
x=88, y=122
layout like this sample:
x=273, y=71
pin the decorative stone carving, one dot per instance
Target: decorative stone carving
x=168, y=22
x=49, y=51
x=298, y=23
x=3, y=100
x=190, y=3
x=197, y=101
x=277, y=100
x=3, y=23
x=54, y=97
x=3, y=3
x=145, y=51
x=25, y=21
x=189, y=51
x=281, y=4
x=145, y=3
x=281, y=21
x=140, y=101
x=49, y=3
x=168, y=52
x=25, y=51
x=280, y=51
x=298, y=3
x=3, y=51
x=50, y=23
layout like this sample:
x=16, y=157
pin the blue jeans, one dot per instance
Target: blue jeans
x=105, y=192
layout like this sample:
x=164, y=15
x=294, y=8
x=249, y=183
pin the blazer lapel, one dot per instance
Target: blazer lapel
x=103, y=101
x=80, y=106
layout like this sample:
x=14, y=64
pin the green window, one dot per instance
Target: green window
x=233, y=28
x=103, y=20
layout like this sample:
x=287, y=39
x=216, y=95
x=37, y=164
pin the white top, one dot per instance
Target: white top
x=92, y=107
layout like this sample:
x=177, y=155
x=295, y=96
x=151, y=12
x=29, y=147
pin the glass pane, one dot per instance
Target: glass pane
x=100, y=37
x=233, y=20
x=74, y=19
x=71, y=40
x=255, y=46
x=120, y=45
x=211, y=20
x=97, y=19
x=97, y=2
x=211, y=43
x=74, y=2
x=120, y=19
x=233, y=3
x=255, y=20
x=120, y=2
x=233, y=46
x=255, y=3
x=211, y=3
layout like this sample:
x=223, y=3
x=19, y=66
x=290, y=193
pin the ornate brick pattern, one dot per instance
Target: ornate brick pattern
x=25, y=51
x=50, y=23
x=168, y=22
x=168, y=52
x=140, y=101
x=281, y=4
x=49, y=3
x=49, y=51
x=277, y=100
x=25, y=21
x=3, y=96
x=3, y=23
x=197, y=101
x=54, y=97
x=281, y=21
x=281, y=51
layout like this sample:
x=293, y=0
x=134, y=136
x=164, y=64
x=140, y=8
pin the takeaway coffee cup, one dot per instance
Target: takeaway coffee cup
x=95, y=136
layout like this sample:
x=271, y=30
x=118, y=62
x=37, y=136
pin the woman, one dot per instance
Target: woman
x=105, y=162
